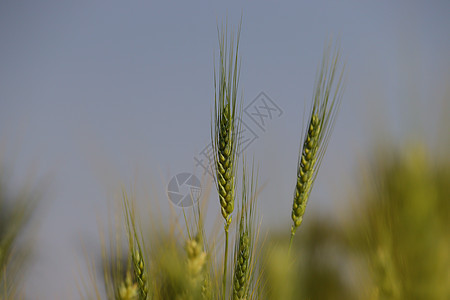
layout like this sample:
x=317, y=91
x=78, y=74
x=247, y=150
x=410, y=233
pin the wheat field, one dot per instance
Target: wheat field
x=390, y=240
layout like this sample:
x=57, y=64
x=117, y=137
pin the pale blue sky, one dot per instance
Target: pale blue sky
x=92, y=92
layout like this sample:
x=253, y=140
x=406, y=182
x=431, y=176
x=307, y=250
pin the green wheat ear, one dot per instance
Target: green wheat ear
x=140, y=272
x=326, y=101
x=135, y=246
x=225, y=129
x=245, y=239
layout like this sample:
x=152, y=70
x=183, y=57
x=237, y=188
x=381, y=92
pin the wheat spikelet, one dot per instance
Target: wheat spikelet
x=326, y=101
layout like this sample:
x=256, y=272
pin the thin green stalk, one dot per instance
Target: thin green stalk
x=225, y=263
x=290, y=243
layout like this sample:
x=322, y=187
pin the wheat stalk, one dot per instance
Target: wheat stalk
x=225, y=129
x=326, y=101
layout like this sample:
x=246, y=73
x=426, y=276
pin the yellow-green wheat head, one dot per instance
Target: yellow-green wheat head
x=326, y=101
x=196, y=262
x=226, y=126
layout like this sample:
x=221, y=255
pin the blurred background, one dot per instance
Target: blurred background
x=95, y=95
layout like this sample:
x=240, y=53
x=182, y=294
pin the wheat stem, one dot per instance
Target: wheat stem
x=225, y=264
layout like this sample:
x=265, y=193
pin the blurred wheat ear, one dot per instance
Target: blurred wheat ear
x=327, y=97
x=136, y=248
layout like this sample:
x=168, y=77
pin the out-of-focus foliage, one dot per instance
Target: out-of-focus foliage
x=402, y=230
x=16, y=208
x=316, y=267
x=167, y=267
x=174, y=266
x=393, y=244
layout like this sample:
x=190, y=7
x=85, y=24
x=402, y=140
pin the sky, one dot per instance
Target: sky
x=98, y=94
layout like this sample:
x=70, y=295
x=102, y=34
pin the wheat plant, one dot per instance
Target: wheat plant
x=225, y=130
x=184, y=264
x=326, y=101
x=401, y=228
x=136, y=247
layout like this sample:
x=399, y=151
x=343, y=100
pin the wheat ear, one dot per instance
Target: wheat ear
x=137, y=257
x=243, y=271
x=326, y=101
x=140, y=272
x=225, y=129
x=196, y=261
